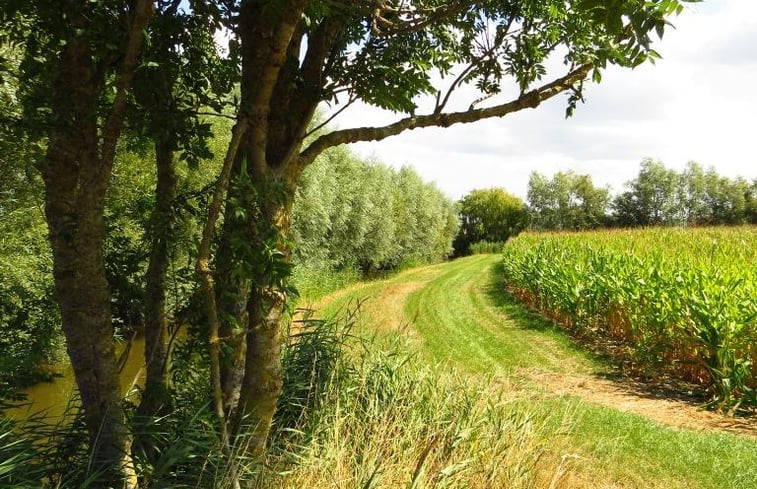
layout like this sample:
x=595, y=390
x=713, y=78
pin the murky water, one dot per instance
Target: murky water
x=51, y=398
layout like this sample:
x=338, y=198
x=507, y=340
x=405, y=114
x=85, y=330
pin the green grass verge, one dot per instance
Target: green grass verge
x=460, y=317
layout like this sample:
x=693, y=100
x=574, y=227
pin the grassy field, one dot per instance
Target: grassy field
x=594, y=431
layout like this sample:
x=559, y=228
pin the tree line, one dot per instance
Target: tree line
x=348, y=214
x=92, y=77
x=351, y=213
x=658, y=196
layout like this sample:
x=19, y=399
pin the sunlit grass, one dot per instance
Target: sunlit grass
x=461, y=321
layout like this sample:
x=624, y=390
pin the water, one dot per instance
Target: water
x=51, y=398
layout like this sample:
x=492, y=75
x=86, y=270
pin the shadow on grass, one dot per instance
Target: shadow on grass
x=528, y=319
x=501, y=298
x=601, y=352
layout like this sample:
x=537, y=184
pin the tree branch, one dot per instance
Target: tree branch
x=527, y=100
x=114, y=122
x=206, y=275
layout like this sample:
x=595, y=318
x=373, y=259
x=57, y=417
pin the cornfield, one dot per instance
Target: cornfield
x=681, y=300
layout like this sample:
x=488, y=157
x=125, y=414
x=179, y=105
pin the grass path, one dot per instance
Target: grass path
x=619, y=437
x=454, y=314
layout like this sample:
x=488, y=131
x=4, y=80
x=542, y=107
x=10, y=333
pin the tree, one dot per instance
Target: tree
x=568, y=201
x=751, y=203
x=692, y=195
x=355, y=214
x=297, y=54
x=79, y=62
x=726, y=199
x=82, y=57
x=652, y=199
x=489, y=215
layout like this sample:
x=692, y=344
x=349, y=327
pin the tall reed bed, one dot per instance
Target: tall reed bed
x=682, y=299
x=354, y=414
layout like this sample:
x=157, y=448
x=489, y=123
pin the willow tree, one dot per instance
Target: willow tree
x=416, y=58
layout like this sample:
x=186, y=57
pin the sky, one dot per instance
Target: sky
x=698, y=103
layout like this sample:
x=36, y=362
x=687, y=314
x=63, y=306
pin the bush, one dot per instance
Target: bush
x=487, y=247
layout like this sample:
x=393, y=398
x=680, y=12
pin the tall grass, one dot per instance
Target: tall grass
x=353, y=415
x=485, y=247
x=315, y=280
x=385, y=419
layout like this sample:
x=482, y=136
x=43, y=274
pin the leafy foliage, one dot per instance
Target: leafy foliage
x=568, y=201
x=662, y=196
x=680, y=299
x=489, y=215
x=350, y=213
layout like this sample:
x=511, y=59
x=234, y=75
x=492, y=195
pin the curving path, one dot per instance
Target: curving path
x=622, y=435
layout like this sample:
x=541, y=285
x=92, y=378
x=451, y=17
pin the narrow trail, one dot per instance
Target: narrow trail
x=460, y=316
x=483, y=331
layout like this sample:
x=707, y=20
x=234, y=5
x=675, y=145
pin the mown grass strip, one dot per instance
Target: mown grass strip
x=464, y=323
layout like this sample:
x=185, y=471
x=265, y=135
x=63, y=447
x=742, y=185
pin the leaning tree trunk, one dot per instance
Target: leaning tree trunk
x=156, y=399
x=76, y=180
x=232, y=290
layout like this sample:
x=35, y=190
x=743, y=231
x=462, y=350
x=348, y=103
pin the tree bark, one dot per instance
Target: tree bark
x=263, y=374
x=156, y=399
x=231, y=293
x=75, y=184
x=76, y=171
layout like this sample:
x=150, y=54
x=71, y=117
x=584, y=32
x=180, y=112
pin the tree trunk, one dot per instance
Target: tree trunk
x=232, y=291
x=76, y=171
x=263, y=374
x=75, y=184
x=156, y=399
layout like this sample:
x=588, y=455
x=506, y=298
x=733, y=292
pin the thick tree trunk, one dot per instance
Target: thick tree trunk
x=76, y=172
x=75, y=184
x=263, y=374
x=156, y=399
x=76, y=235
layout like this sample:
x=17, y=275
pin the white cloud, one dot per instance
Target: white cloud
x=698, y=103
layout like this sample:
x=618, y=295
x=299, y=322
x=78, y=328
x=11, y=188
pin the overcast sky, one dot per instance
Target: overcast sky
x=698, y=103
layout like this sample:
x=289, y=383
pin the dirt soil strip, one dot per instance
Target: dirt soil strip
x=626, y=397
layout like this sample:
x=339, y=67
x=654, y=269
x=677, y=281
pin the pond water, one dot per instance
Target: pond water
x=51, y=398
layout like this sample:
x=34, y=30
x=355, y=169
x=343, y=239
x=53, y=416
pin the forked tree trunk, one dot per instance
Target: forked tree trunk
x=156, y=399
x=75, y=184
x=76, y=172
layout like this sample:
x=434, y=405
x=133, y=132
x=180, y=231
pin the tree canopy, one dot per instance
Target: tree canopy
x=490, y=215
x=89, y=71
x=568, y=201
